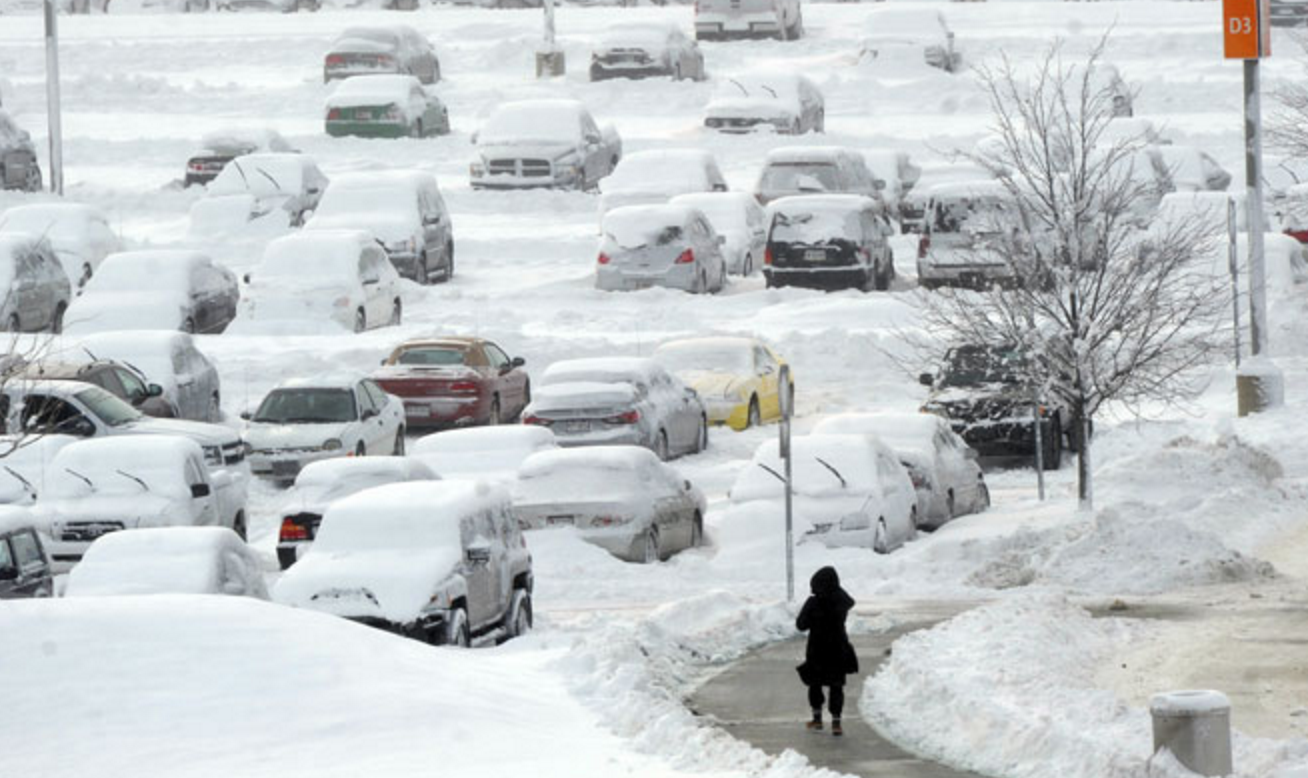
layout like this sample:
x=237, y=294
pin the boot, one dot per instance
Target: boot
x=815, y=724
x=835, y=728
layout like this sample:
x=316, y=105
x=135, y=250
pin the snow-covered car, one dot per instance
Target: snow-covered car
x=726, y=19
x=156, y=289
x=403, y=209
x=25, y=569
x=1107, y=81
x=1191, y=169
x=649, y=177
x=439, y=561
x=19, y=168
x=849, y=490
x=910, y=36
x=269, y=190
x=121, y=380
x=483, y=453
x=963, y=240
x=621, y=498
x=304, y=420
x=168, y=358
x=659, y=245
x=455, y=381
x=168, y=560
x=543, y=143
x=737, y=378
x=79, y=234
x=898, y=172
x=834, y=241
x=322, y=483
x=913, y=203
x=395, y=49
x=786, y=103
x=337, y=278
x=385, y=106
x=35, y=287
x=114, y=483
x=619, y=400
x=1288, y=13
x=943, y=468
x=24, y=469
x=808, y=170
x=739, y=219
x=222, y=146
x=644, y=49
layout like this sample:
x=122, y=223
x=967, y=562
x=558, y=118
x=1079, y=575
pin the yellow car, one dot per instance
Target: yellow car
x=737, y=378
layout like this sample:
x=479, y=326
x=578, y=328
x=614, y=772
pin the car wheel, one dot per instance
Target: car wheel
x=912, y=523
x=449, y=260
x=416, y=130
x=32, y=181
x=215, y=409
x=424, y=270
x=493, y=418
x=650, y=548
x=238, y=525
x=701, y=443
x=697, y=531
x=360, y=450
x=397, y=314
x=821, y=124
x=755, y=416
x=188, y=326
x=86, y=276
x=398, y=449
x=950, y=506
x=661, y=446
x=13, y=325
x=676, y=72
x=519, y=620
x=701, y=283
x=57, y=321
x=360, y=320
x=881, y=541
x=982, y=498
x=796, y=128
x=747, y=267
x=457, y=632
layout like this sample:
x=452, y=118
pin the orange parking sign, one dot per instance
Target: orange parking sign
x=1246, y=31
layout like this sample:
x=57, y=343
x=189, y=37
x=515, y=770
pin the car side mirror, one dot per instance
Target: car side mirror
x=368, y=414
x=879, y=184
x=8, y=573
x=478, y=553
x=82, y=427
x=154, y=390
x=246, y=278
x=686, y=485
x=200, y=490
x=926, y=379
x=517, y=362
x=246, y=415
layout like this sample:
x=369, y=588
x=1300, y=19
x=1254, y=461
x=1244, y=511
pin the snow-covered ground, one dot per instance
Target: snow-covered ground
x=1191, y=497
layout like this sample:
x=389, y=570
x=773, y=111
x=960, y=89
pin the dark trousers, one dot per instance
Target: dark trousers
x=815, y=699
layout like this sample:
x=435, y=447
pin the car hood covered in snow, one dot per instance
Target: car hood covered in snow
x=392, y=584
x=264, y=436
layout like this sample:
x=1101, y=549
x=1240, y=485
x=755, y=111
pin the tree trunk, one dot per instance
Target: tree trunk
x=1084, y=482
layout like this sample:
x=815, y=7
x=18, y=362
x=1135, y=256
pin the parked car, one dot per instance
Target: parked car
x=986, y=394
x=370, y=50
x=322, y=483
x=621, y=498
x=273, y=191
x=644, y=49
x=726, y=19
x=220, y=147
x=848, y=490
x=650, y=177
x=455, y=381
x=121, y=380
x=79, y=234
x=340, y=278
x=1192, y=170
x=25, y=569
x=1288, y=13
x=739, y=220
x=483, y=453
x=19, y=168
x=619, y=400
x=943, y=468
x=113, y=483
x=439, y=561
x=157, y=289
x=543, y=143
x=35, y=287
x=736, y=378
x=910, y=35
x=24, y=469
x=385, y=106
x=170, y=359
x=304, y=420
x=828, y=242
x=786, y=103
x=807, y=170
x=963, y=243
x=402, y=209
x=659, y=245
x=168, y=560
x=913, y=203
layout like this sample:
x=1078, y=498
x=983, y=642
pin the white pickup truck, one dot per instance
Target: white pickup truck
x=543, y=144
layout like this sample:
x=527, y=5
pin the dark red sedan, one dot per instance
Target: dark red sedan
x=455, y=382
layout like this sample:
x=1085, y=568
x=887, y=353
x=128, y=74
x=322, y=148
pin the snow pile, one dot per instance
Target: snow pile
x=1009, y=689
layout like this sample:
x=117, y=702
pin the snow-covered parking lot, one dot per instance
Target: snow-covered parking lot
x=1192, y=504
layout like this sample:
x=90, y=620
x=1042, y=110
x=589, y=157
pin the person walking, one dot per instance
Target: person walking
x=829, y=656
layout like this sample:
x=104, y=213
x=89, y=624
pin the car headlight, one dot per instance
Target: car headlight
x=247, y=447
x=476, y=170
x=213, y=455
x=331, y=444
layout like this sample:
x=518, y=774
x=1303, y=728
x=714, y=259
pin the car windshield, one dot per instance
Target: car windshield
x=975, y=365
x=972, y=215
x=801, y=177
x=432, y=355
x=111, y=410
x=815, y=226
x=307, y=406
x=708, y=357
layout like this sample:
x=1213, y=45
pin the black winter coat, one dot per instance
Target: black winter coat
x=829, y=655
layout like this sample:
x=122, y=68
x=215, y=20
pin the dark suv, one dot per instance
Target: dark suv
x=986, y=393
x=24, y=565
x=121, y=380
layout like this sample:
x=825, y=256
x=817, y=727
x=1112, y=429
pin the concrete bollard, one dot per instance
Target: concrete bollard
x=1196, y=727
x=550, y=64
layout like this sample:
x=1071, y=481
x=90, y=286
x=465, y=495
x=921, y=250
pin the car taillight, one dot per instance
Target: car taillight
x=686, y=257
x=1299, y=235
x=291, y=531
x=603, y=258
x=334, y=113
x=463, y=387
x=630, y=417
x=919, y=481
x=536, y=420
x=767, y=256
x=923, y=245
x=335, y=59
x=608, y=521
x=198, y=167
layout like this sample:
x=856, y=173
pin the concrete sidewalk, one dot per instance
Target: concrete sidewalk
x=761, y=701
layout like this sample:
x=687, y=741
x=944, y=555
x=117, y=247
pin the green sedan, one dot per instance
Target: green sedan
x=385, y=106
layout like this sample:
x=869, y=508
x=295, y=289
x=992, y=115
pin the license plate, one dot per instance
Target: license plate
x=416, y=409
x=815, y=255
x=557, y=521
x=285, y=468
x=576, y=426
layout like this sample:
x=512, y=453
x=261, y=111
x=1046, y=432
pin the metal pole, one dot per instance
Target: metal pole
x=1253, y=161
x=52, y=99
x=787, y=410
x=549, y=25
x=1233, y=259
x=1039, y=444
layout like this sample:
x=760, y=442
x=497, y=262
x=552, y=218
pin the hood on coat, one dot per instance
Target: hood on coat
x=825, y=582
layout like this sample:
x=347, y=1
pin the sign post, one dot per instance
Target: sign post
x=52, y=99
x=787, y=402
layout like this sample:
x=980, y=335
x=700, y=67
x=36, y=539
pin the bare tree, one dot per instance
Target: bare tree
x=1108, y=303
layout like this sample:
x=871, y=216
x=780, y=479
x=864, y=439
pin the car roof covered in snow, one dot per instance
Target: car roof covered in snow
x=244, y=140
x=644, y=170
x=16, y=517
x=162, y=560
x=652, y=30
x=800, y=154
x=375, y=38
x=153, y=264
x=373, y=90
x=262, y=173
x=384, y=469
x=603, y=370
x=820, y=203
x=636, y=225
x=712, y=343
x=546, y=463
x=760, y=86
x=324, y=252
x=549, y=120
x=572, y=395
x=974, y=188
x=901, y=430
x=482, y=439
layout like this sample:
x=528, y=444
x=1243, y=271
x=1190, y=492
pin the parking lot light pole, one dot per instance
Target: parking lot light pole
x=52, y=99
x=787, y=402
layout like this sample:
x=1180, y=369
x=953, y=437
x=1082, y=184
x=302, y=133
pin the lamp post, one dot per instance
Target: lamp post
x=52, y=98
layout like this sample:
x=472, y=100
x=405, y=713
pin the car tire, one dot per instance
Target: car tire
x=360, y=450
x=701, y=283
x=821, y=124
x=416, y=130
x=797, y=127
x=86, y=276
x=424, y=269
x=457, y=632
x=697, y=531
x=397, y=313
x=747, y=267
x=398, y=448
x=518, y=621
x=755, y=417
x=982, y=498
x=57, y=321
x=881, y=540
x=14, y=325
x=676, y=72
x=950, y=506
x=238, y=525
x=493, y=417
x=661, y=446
x=702, y=440
x=32, y=181
x=188, y=326
x=360, y=320
x=649, y=550
x=215, y=409
x=449, y=260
